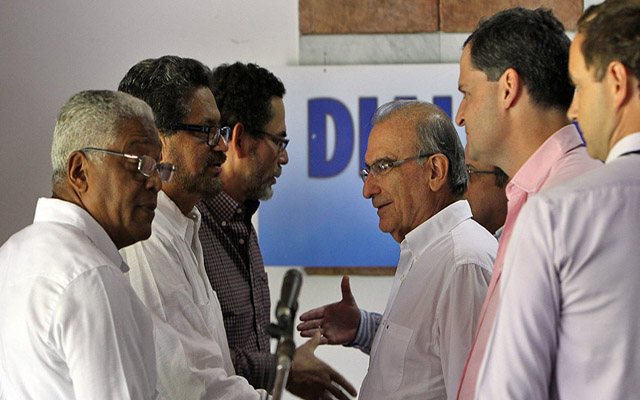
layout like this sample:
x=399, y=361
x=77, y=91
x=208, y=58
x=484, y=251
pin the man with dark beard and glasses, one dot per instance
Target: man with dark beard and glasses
x=167, y=270
x=250, y=101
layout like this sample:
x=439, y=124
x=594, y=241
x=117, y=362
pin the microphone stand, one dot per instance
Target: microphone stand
x=283, y=331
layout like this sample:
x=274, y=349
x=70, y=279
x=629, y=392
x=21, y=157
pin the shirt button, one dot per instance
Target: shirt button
x=223, y=223
x=402, y=278
x=241, y=241
x=239, y=210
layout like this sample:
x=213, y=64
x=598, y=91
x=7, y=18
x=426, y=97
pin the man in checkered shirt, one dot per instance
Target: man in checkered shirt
x=250, y=102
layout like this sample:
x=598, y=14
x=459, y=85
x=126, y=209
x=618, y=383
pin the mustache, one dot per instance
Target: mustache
x=277, y=172
x=215, y=158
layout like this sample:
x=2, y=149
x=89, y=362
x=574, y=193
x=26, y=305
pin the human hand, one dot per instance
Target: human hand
x=337, y=322
x=312, y=379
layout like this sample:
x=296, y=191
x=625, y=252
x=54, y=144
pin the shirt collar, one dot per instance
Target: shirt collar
x=65, y=212
x=185, y=224
x=430, y=230
x=223, y=208
x=531, y=176
x=624, y=145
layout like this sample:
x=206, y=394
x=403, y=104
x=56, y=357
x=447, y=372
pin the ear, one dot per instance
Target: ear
x=164, y=140
x=618, y=82
x=510, y=87
x=77, y=166
x=439, y=168
x=239, y=140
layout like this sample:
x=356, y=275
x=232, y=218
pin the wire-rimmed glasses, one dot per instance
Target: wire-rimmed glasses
x=146, y=165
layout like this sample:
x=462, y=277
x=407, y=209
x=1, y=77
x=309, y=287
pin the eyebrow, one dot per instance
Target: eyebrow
x=210, y=122
x=379, y=160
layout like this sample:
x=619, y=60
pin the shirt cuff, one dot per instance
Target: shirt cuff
x=367, y=328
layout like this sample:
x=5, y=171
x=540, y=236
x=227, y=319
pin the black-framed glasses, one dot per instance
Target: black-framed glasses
x=214, y=133
x=146, y=165
x=280, y=141
x=472, y=171
x=382, y=167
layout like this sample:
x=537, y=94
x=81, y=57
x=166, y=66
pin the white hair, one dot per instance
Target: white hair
x=91, y=119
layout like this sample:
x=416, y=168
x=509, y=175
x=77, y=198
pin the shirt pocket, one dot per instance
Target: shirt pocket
x=390, y=355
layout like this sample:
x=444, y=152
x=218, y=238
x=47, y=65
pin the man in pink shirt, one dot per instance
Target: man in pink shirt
x=516, y=92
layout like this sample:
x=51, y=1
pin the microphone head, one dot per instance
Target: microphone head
x=288, y=304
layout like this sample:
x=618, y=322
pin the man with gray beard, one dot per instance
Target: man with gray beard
x=250, y=102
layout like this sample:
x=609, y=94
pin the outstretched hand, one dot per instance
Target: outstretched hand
x=313, y=379
x=336, y=322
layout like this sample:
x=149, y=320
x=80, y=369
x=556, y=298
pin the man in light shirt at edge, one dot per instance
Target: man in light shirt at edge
x=516, y=92
x=168, y=270
x=569, y=322
x=71, y=326
x=415, y=178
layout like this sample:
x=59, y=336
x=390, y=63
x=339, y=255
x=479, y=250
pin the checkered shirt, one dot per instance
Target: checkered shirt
x=235, y=269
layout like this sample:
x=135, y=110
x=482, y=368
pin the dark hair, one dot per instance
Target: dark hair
x=167, y=84
x=611, y=33
x=436, y=134
x=243, y=93
x=532, y=42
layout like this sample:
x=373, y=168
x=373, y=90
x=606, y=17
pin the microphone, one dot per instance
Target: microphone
x=288, y=304
x=283, y=331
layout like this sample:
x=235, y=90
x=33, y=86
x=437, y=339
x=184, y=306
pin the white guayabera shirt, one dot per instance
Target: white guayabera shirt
x=167, y=272
x=426, y=331
x=71, y=326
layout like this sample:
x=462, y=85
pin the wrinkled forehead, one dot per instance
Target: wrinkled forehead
x=394, y=137
x=134, y=132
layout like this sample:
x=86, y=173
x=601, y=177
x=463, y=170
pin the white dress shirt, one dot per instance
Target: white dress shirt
x=428, y=325
x=71, y=326
x=167, y=272
x=568, y=326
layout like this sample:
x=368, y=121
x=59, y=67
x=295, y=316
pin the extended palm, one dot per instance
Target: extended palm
x=337, y=322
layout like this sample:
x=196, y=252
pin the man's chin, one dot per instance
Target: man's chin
x=266, y=193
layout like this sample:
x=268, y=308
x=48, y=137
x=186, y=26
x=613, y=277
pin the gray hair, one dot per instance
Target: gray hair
x=436, y=134
x=91, y=119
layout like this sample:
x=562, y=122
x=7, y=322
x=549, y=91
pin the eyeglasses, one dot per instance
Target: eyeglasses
x=214, y=133
x=471, y=171
x=279, y=140
x=146, y=165
x=382, y=167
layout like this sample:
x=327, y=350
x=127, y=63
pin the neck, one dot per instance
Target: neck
x=184, y=201
x=437, y=203
x=628, y=123
x=232, y=182
x=529, y=130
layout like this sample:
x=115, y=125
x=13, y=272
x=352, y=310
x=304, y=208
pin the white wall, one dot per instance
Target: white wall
x=50, y=50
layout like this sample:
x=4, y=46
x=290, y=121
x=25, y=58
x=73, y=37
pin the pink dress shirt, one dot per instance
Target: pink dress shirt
x=560, y=158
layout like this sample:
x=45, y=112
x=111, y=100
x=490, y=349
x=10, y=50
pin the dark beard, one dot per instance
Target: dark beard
x=201, y=184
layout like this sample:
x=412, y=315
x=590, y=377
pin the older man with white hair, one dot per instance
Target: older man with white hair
x=71, y=326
